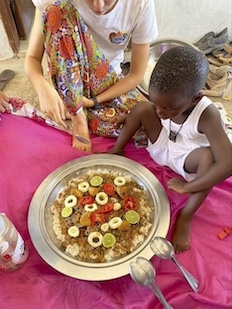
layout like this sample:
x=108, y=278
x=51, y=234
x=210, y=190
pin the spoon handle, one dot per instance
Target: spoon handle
x=192, y=281
x=68, y=130
x=159, y=295
x=78, y=137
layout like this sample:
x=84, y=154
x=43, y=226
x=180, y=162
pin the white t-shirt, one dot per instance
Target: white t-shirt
x=129, y=19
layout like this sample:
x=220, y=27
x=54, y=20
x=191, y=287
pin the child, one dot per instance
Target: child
x=185, y=132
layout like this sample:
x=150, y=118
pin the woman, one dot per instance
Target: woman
x=85, y=42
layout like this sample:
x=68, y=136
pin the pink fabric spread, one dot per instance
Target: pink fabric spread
x=30, y=151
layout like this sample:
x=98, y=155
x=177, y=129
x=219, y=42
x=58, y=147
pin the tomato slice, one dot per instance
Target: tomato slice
x=130, y=203
x=86, y=199
x=97, y=217
x=107, y=208
x=109, y=189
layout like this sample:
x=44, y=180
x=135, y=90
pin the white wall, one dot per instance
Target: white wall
x=189, y=20
x=186, y=20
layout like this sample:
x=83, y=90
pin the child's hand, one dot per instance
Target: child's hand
x=4, y=99
x=177, y=184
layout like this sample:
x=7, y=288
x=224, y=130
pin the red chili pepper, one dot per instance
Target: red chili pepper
x=130, y=203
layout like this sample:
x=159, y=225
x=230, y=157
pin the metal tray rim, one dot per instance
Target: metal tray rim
x=77, y=269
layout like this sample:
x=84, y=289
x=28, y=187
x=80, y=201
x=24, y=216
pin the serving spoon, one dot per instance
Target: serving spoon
x=165, y=250
x=143, y=273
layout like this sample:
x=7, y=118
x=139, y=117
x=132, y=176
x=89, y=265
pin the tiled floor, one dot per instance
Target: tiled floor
x=21, y=87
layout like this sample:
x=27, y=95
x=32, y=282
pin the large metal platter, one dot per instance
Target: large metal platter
x=40, y=216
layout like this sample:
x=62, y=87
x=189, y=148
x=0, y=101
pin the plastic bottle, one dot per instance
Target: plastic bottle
x=13, y=251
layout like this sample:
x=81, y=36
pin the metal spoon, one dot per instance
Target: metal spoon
x=69, y=130
x=77, y=136
x=143, y=273
x=164, y=249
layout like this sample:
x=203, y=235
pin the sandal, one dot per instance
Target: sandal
x=213, y=42
x=225, y=59
x=228, y=48
x=220, y=71
x=214, y=61
x=215, y=85
x=204, y=38
x=219, y=52
x=227, y=95
x=5, y=77
x=224, y=54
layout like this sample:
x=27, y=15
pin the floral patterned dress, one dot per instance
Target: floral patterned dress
x=79, y=68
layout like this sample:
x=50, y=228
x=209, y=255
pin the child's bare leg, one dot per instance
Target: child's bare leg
x=142, y=114
x=80, y=127
x=181, y=234
x=199, y=160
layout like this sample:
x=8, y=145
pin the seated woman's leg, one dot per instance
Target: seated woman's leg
x=66, y=70
x=77, y=72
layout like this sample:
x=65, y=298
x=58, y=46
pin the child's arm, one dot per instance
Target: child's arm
x=210, y=124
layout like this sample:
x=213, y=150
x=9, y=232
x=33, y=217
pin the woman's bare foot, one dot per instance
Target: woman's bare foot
x=181, y=235
x=80, y=127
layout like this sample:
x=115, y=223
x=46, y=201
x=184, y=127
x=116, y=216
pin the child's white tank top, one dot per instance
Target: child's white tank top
x=173, y=154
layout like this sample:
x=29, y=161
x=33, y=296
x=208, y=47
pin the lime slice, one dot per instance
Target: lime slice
x=96, y=181
x=108, y=240
x=73, y=231
x=66, y=212
x=132, y=216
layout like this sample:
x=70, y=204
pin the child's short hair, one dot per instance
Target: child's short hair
x=180, y=69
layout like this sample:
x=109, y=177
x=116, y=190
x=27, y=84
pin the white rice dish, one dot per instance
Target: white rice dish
x=81, y=228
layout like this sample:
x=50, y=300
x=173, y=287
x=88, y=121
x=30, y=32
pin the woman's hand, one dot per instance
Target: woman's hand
x=52, y=105
x=4, y=99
